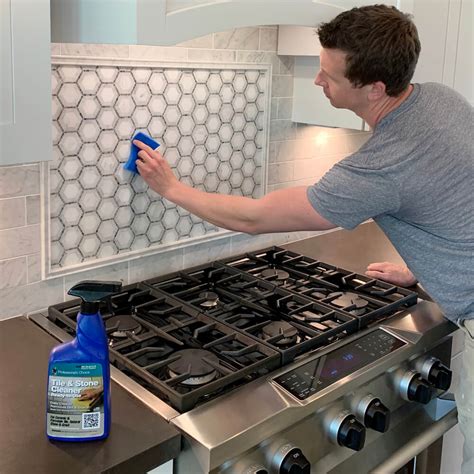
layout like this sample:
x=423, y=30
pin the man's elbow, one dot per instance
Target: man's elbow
x=250, y=227
x=252, y=220
x=253, y=231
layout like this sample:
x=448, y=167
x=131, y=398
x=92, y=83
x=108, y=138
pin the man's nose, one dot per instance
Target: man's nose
x=317, y=79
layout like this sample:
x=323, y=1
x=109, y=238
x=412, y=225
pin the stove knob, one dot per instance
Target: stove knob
x=377, y=416
x=285, y=458
x=435, y=372
x=351, y=434
x=346, y=431
x=419, y=390
x=374, y=413
x=414, y=388
x=295, y=463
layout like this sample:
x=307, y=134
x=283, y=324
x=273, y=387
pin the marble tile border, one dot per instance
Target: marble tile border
x=46, y=271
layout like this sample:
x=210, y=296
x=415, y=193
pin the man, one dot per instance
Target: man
x=414, y=176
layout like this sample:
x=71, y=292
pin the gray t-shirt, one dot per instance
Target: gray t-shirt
x=415, y=178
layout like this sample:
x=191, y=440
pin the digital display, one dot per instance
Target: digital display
x=319, y=373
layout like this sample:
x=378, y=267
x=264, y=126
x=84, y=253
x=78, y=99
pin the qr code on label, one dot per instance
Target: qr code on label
x=90, y=421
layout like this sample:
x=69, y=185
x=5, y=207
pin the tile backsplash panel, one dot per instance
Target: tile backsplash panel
x=211, y=121
x=298, y=156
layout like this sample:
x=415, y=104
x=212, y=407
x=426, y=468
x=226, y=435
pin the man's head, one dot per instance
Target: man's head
x=380, y=44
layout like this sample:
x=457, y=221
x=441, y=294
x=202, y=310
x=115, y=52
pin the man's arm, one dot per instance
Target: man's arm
x=280, y=211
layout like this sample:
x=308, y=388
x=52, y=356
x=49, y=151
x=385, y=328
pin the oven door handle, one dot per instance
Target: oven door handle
x=407, y=452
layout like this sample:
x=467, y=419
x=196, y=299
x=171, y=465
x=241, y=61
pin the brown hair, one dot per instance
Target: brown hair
x=381, y=44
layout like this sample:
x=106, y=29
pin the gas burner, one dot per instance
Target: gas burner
x=317, y=293
x=196, y=363
x=353, y=302
x=210, y=299
x=311, y=319
x=275, y=274
x=244, y=321
x=121, y=326
x=276, y=328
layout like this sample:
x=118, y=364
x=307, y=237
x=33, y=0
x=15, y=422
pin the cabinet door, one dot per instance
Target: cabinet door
x=464, y=65
x=25, y=82
x=446, y=35
x=430, y=17
x=107, y=21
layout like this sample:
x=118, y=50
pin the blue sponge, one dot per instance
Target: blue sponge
x=131, y=165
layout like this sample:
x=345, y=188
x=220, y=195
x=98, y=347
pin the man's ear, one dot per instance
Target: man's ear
x=377, y=90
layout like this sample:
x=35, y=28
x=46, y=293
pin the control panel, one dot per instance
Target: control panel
x=308, y=379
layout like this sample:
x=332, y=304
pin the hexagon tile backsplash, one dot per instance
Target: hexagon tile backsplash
x=211, y=121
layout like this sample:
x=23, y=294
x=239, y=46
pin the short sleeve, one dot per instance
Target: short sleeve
x=348, y=195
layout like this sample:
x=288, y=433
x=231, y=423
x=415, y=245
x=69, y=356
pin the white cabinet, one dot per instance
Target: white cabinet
x=25, y=82
x=445, y=30
x=430, y=18
x=463, y=76
x=168, y=22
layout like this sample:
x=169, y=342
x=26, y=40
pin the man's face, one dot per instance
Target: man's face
x=337, y=88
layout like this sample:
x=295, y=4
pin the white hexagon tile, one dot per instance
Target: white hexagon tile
x=211, y=122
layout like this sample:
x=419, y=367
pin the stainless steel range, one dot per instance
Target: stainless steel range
x=275, y=362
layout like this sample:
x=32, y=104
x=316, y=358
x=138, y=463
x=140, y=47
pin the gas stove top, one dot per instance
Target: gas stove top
x=193, y=335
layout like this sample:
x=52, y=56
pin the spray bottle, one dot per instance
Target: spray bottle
x=78, y=396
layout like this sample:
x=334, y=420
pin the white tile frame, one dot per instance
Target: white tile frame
x=46, y=271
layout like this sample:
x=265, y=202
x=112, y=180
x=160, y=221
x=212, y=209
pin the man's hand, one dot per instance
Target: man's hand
x=154, y=169
x=391, y=273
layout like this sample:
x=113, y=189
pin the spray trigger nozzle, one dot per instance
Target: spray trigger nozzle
x=92, y=291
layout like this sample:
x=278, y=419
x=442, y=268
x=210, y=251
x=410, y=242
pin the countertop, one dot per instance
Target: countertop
x=139, y=439
x=352, y=250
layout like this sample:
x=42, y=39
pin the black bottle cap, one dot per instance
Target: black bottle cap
x=92, y=292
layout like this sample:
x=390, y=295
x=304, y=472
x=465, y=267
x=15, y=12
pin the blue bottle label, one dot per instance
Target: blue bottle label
x=75, y=405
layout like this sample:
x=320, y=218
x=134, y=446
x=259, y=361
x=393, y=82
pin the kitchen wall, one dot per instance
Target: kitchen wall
x=298, y=155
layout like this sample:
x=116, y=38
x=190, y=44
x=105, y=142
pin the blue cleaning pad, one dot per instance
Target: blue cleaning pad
x=130, y=165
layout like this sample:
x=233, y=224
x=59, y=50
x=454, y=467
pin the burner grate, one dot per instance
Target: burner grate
x=118, y=313
x=232, y=357
x=158, y=355
x=329, y=285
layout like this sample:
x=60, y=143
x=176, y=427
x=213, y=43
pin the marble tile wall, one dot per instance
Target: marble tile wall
x=210, y=122
x=298, y=155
